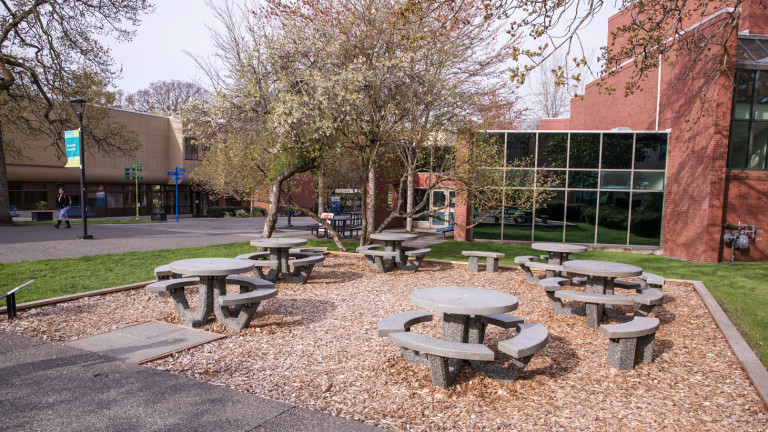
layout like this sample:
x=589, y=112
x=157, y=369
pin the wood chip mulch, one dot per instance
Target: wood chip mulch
x=315, y=346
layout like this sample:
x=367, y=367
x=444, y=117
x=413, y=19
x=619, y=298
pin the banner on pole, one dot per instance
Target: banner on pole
x=72, y=146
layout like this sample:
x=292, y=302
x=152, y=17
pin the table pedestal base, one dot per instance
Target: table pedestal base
x=199, y=317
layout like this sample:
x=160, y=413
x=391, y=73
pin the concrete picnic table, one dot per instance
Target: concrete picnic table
x=394, y=242
x=212, y=273
x=558, y=252
x=278, y=254
x=462, y=308
x=600, y=277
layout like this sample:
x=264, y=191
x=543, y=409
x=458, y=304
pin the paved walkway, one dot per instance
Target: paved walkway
x=51, y=387
x=36, y=242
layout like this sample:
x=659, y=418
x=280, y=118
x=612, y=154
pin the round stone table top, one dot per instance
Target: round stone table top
x=602, y=268
x=559, y=247
x=279, y=242
x=464, y=301
x=211, y=266
x=391, y=236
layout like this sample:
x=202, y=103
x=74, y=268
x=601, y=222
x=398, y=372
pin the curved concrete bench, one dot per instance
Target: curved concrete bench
x=381, y=260
x=164, y=272
x=647, y=299
x=302, y=268
x=550, y=270
x=530, y=339
x=551, y=286
x=650, y=280
x=310, y=250
x=369, y=259
x=594, y=303
x=402, y=322
x=418, y=255
x=529, y=276
x=235, y=311
x=254, y=255
x=630, y=341
x=477, y=328
x=491, y=260
x=443, y=357
x=175, y=289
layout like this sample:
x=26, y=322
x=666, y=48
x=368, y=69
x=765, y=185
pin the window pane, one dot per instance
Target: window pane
x=490, y=227
x=521, y=147
x=553, y=150
x=613, y=218
x=615, y=179
x=617, y=151
x=518, y=224
x=585, y=150
x=582, y=179
x=580, y=217
x=759, y=143
x=549, y=217
x=519, y=178
x=554, y=179
x=649, y=180
x=650, y=151
x=645, y=228
x=761, y=98
x=739, y=145
x=742, y=102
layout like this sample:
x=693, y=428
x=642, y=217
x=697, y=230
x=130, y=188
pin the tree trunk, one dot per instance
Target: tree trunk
x=371, y=204
x=409, y=202
x=253, y=192
x=320, y=192
x=5, y=210
x=274, y=207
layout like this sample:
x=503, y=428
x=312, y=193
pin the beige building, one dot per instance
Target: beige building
x=164, y=148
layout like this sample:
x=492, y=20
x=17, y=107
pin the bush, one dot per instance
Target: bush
x=646, y=223
x=217, y=212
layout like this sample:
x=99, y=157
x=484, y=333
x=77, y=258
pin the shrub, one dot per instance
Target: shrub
x=222, y=211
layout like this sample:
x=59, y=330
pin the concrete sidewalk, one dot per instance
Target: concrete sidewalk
x=50, y=387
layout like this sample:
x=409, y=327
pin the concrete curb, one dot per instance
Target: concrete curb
x=749, y=361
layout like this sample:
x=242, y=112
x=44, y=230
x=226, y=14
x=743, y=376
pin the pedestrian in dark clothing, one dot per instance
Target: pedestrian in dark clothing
x=63, y=202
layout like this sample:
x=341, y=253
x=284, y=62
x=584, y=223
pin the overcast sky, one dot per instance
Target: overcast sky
x=157, y=51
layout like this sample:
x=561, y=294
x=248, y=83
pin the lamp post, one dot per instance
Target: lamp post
x=78, y=106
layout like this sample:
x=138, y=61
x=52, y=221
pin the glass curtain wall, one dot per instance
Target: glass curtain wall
x=599, y=187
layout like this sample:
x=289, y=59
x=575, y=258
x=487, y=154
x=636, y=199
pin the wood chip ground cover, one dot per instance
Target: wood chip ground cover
x=315, y=345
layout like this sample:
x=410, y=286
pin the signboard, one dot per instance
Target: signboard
x=72, y=147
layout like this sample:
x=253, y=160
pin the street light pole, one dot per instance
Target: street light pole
x=80, y=103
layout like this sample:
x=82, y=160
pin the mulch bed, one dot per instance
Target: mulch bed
x=315, y=345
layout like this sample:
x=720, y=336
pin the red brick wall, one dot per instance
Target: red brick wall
x=746, y=203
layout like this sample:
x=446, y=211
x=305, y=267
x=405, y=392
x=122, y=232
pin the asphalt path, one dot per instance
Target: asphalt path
x=31, y=243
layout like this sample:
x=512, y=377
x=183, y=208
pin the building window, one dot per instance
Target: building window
x=603, y=187
x=748, y=142
x=192, y=149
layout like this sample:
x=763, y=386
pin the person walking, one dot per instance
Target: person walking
x=63, y=202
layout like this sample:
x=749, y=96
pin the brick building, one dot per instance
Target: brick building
x=716, y=171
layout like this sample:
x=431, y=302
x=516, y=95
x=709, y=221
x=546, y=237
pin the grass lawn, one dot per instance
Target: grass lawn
x=580, y=232
x=740, y=288
x=90, y=222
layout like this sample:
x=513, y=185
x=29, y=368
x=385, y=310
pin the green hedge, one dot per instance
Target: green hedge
x=217, y=212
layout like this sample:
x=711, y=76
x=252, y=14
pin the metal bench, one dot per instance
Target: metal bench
x=77, y=211
x=630, y=341
x=445, y=230
x=10, y=300
x=491, y=260
x=13, y=211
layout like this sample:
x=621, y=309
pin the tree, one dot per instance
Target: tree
x=164, y=97
x=52, y=51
